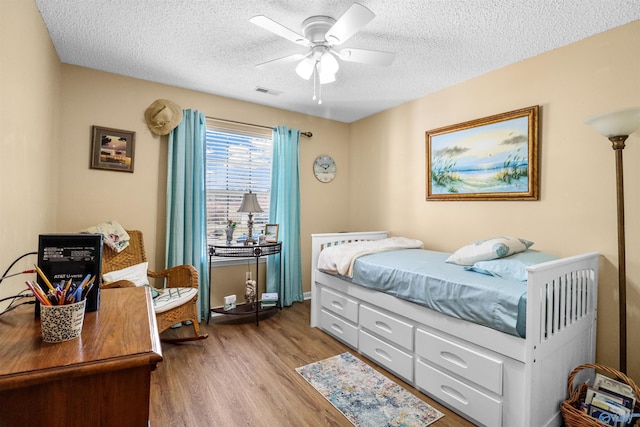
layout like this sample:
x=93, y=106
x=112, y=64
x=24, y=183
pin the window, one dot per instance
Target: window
x=238, y=160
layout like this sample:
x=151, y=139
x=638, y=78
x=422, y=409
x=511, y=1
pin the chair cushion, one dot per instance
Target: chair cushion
x=169, y=298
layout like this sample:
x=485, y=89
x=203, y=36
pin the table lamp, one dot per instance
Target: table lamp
x=250, y=204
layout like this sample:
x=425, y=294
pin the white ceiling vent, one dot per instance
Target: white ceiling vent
x=265, y=90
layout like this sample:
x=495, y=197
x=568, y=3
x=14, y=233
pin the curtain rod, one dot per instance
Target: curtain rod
x=307, y=134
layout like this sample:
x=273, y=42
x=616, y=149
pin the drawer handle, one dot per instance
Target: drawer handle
x=383, y=354
x=337, y=304
x=383, y=326
x=453, y=358
x=454, y=393
x=336, y=328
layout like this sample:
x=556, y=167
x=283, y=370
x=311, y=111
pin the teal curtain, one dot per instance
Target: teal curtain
x=284, y=271
x=186, y=201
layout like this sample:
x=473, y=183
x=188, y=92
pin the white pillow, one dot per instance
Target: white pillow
x=483, y=250
x=136, y=274
x=513, y=267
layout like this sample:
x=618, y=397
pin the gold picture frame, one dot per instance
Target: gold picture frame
x=271, y=233
x=492, y=158
x=112, y=149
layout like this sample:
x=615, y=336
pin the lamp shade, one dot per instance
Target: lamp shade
x=250, y=203
x=329, y=63
x=305, y=68
x=326, y=78
x=327, y=68
x=619, y=123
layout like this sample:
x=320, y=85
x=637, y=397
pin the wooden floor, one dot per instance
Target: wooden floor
x=244, y=375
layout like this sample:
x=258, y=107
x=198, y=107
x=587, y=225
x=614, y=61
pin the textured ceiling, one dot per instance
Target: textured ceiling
x=210, y=46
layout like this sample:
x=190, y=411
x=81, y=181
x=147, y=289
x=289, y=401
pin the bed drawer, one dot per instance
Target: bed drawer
x=466, y=363
x=387, y=327
x=386, y=355
x=339, y=328
x=457, y=395
x=339, y=304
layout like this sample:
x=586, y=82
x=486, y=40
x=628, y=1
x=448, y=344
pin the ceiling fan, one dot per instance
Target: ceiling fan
x=321, y=34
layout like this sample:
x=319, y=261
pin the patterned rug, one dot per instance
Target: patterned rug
x=366, y=397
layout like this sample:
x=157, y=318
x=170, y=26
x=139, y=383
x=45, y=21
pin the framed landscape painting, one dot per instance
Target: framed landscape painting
x=112, y=149
x=493, y=158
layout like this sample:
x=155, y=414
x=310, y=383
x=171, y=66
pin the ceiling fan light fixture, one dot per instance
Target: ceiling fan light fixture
x=326, y=69
x=329, y=63
x=326, y=78
x=305, y=68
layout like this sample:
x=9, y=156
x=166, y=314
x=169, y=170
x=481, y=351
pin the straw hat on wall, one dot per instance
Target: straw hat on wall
x=162, y=116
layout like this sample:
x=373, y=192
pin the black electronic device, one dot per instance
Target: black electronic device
x=71, y=256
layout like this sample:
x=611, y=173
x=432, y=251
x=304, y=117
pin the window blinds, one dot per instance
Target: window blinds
x=237, y=161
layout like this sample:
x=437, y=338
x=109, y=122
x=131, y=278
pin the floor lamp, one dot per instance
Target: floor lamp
x=617, y=127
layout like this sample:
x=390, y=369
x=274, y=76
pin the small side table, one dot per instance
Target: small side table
x=241, y=251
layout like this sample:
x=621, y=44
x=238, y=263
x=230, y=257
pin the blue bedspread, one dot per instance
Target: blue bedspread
x=423, y=277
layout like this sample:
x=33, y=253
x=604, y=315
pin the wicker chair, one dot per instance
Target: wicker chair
x=183, y=276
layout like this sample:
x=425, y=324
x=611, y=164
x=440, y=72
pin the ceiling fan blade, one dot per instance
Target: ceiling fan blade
x=365, y=56
x=284, y=60
x=279, y=29
x=356, y=17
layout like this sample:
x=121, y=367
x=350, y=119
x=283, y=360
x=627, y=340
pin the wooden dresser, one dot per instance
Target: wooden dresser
x=101, y=378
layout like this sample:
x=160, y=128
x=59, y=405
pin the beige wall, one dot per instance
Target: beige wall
x=47, y=110
x=30, y=75
x=137, y=200
x=577, y=207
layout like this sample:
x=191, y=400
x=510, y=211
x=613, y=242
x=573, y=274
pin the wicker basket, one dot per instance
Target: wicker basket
x=574, y=416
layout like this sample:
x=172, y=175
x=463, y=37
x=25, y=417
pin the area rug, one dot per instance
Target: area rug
x=364, y=396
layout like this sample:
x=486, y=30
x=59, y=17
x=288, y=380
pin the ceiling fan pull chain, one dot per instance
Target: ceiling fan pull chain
x=320, y=94
x=315, y=67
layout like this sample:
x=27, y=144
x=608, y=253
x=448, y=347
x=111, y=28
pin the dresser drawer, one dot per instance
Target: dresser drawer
x=339, y=304
x=339, y=328
x=467, y=363
x=457, y=395
x=386, y=355
x=387, y=327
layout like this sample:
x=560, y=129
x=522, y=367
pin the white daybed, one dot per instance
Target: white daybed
x=489, y=377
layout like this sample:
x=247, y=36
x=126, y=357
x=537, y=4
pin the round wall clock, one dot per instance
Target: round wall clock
x=324, y=168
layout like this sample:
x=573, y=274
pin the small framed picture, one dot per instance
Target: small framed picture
x=271, y=233
x=112, y=149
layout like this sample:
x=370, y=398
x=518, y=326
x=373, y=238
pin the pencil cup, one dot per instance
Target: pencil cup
x=61, y=322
